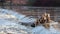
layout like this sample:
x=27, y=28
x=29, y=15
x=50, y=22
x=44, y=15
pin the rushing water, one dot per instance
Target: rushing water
x=9, y=24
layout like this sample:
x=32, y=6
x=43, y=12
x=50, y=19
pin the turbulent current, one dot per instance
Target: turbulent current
x=10, y=23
